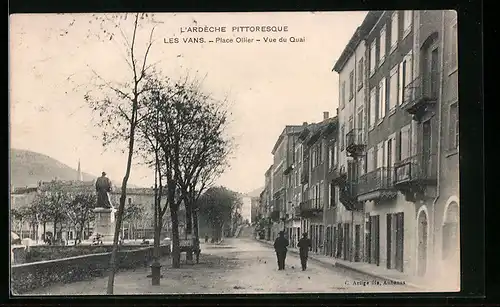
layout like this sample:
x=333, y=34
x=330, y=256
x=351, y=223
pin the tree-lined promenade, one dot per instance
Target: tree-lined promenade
x=173, y=125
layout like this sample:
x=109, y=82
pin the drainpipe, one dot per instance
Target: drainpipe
x=441, y=78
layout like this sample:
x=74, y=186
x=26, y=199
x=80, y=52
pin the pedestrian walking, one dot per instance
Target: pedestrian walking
x=304, y=246
x=280, y=246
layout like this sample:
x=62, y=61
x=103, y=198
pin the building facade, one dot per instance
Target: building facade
x=381, y=184
x=137, y=227
x=283, y=163
x=409, y=133
x=315, y=141
x=268, y=188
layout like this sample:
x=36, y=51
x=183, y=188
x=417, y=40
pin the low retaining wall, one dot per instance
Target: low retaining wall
x=53, y=252
x=18, y=254
x=29, y=276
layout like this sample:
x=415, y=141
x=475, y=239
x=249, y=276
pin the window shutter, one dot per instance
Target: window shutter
x=401, y=85
x=394, y=151
x=386, y=150
x=380, y=155
x=409, y=138
x=398, y=146
x=412, y=138
x=386, y=105
x=409, y=68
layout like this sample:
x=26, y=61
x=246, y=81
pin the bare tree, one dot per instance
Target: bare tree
x=185, y=135
x=118, y=106
x=51, y=205
x=204, y=152
x=80, y=211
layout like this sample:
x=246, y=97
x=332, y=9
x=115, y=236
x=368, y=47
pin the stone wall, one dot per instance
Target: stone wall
x=29, y=276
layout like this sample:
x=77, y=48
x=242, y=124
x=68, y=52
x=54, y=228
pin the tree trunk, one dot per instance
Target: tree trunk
x=156, y=248
x=123, y=197
x=195, y=226
x=55, y=230
x=157, y=228
x=176, y=254
x=80, y=237
x=214, y=231
x=189, y=227
x=59, y=235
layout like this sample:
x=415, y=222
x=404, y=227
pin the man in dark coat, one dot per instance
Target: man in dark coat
x=304, y=246
x=102, y=187
x=280, y=246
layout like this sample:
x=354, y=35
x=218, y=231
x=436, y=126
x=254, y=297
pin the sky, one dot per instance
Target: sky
x=270, y=85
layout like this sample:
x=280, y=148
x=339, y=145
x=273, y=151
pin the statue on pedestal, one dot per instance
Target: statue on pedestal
x=103, y=187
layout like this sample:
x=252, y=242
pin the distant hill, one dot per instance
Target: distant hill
x=255, y=193
x=27, y=168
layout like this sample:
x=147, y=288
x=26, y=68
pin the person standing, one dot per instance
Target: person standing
x=280, y=246
x=304, y=246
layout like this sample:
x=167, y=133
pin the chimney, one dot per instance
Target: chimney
x=326, y=115
x=304, y=124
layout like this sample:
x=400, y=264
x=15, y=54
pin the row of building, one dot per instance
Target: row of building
x=379, y=182
x=136, y=227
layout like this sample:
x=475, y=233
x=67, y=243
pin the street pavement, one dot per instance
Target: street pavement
x=240, y=265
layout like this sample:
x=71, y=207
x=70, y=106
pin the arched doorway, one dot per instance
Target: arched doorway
x=451, y=232
x=422, y=232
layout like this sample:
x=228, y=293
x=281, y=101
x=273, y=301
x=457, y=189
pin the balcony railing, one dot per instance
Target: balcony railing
x=288, y=169
x=304, y=176
x=309, y=208
x=380, y=180
x=420, y=93
x=355, y=143
x=419, y=169
x=348, y=195
x=296, y=212
x=334, y=172
x=275, y=214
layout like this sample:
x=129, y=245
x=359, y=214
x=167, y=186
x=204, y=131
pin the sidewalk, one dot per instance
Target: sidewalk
x=365, y=268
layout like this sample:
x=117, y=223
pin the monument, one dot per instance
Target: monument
x=104, y=211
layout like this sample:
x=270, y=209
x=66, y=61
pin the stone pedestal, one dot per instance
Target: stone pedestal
x=104, y=224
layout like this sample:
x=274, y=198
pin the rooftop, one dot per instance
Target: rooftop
x=367, y=24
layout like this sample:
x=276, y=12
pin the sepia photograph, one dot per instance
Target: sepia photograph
x=234, y=153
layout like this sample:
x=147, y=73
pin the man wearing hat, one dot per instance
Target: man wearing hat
x=280, y=246
x=103, y=186
x=304, y=247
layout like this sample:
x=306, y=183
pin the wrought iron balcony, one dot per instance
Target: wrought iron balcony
x=304, y=176
x=377, y=184
x=296, y=212
x=339, y=176
x=275, y=213
x=414, y=174
x=308, y=209
x=335, y=175
x=348, y=195
x=288, y=169
x=420, y=94
x=355, y=143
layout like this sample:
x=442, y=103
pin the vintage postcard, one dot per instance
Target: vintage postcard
x=230, y=153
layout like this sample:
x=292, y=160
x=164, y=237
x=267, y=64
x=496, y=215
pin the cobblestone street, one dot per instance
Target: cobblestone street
x=239, y=266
